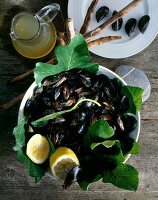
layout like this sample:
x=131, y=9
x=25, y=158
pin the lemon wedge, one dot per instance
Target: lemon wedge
x=62, y=161
x=38, y=149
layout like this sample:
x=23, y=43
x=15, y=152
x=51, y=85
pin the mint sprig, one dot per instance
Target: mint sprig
x=134, y=95
x=123, y=176
x=43, y=121
x=19, y=133
x=100, y=130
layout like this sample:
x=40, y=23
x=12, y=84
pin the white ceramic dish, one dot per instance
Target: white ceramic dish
x=127, y=46
x=102, y=70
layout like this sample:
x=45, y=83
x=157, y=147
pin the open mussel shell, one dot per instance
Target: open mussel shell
x=143, y=23
x=130, y=26
x=116, y=26
x=101, y=13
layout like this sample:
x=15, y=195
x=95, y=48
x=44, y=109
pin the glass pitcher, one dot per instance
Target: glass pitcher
x=34, y=35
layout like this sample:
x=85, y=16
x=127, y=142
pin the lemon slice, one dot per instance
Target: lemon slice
x=62, y=161
x=37, y=149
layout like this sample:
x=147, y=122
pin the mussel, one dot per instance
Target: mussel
x=143, y=23
x=31, y=107
x=101, y=13
x=130, y=26
x=72, y=177
x=120, y=123
x=116, y=26
x=124, y=105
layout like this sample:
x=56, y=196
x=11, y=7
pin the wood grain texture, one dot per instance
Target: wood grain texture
x=14, y=181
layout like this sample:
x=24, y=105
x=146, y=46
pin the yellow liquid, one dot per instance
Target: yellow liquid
x=31, y=44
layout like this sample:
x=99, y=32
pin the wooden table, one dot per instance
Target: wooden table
x=14, y=181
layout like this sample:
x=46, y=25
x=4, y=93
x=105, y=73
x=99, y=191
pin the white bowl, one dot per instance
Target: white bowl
x=102, y=70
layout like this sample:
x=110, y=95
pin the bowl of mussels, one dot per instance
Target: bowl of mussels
x=81, y=127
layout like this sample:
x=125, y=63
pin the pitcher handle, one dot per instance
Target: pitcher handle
x=48, y=13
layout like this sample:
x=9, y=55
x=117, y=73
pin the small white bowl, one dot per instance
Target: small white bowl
x=102, y=70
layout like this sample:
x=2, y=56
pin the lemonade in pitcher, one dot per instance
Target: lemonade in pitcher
x=34, y=36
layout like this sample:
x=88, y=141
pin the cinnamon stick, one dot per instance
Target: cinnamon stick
x=61, y=38
x=102, y=40
x=88, y=17
x=12, y=102
x=70, y=29
x=110, y=21
x=20, y=77
x=29, y=72
x=53, y=61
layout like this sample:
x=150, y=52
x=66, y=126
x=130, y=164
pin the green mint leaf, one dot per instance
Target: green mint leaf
x=100, y=130
x=52, y=148
x=19, y=133
x=123, y=176
x=136, y=149
x=114, y=154
x=111, y=155
x=84, y=184
x=86, y=140
x=34, y=170
x=74, y=55
x=107, y=144
x=134, y=95
x=129, y=146
x=43, y=121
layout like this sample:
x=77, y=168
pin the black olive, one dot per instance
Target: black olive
x=130, y=26
x=102, y=13
x=143, y=23
x=116, y=26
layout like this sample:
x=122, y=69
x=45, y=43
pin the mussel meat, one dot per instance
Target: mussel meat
x=66, y=92
x=86, y=80
x=120, y=123
x=143, y=23
x=130, y=26
x=116, y=26
x=57, y=93
x=101, y=13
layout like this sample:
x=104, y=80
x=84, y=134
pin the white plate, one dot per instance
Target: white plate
x=127, y=46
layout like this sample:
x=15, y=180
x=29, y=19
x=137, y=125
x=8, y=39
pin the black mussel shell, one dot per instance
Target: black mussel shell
x=31, y=106
x=124, y=105
x=130, y=122
x=116, y=26
x=143, y=23
x=72, y=177
x=130, y=26
x=101, y=13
